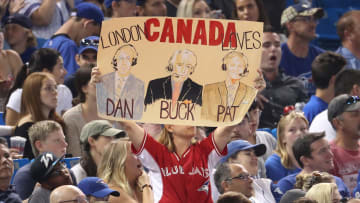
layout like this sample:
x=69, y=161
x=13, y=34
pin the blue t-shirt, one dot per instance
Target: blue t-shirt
x=352, y=61
x=67, y=48
x=288, y=182
x=314, y=106
x=300, y=67
x=275, y=170
x=356, y=192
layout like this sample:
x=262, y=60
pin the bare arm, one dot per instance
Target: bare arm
x=43, y=15
x=222, y=136
x=15, y=62
x=12, y=117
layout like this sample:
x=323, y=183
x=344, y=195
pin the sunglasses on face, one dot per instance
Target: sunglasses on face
x=306, y=19
x=89, y=42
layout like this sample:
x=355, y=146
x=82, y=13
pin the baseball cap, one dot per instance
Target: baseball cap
x=96, y=187
x=302, y=8
x=98, y=127
x=292, y=195
x=89, y=11
x=43, y=165
x=342, y=103
x=240, y=145
x=19, y=19
x=91, y=42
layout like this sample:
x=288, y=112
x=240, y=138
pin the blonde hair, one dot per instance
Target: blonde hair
x=322, y=192
x=280, y=147
x=112, y=166
x=185, y=8
x=166, y=139
x=306, y=181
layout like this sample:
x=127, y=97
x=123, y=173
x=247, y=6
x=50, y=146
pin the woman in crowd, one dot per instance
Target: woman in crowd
x=38, y=102
x=194, y=9
x=324, y=193
x=122, y=171
x=283, y=162
x=250, y=10
x=306, y=181
x=43, y=60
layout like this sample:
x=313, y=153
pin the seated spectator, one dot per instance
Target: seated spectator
x=346, y=28
x=283, y=162
x=18, y=34
x=235, y=178
x=67, y=193
x=324, y=193
x=42, y=60
x=344, y=114
x=120, y=8
x=96, y=189
x=67, y=38
x=306, y=181
x=292, y=195
x=250, y=10
x=324, y=69
x=10, y=65
x=50, y=172
x=151, y=8
x=242, y=152
x=125, y=174
x=94, y=137
x=312, y=152
x=39, y=100
x=45, y=136
x=233, y=197
x=7, y=191
x=347, y=82
x=86, y=59
x=193, y=9
x=281, y=90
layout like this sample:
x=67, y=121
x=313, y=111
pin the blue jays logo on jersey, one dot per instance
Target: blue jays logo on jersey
x=204, y=187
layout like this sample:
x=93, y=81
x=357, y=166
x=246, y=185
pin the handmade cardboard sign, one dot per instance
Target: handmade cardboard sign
x=185, y=71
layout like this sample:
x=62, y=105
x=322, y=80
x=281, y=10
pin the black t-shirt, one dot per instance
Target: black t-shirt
x=22, y=131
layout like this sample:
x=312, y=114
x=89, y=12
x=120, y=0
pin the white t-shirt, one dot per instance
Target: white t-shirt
x=79, y=172
x=321, y=123
x=64, y=99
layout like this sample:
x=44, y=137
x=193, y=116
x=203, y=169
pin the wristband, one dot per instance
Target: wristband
x=146, y=185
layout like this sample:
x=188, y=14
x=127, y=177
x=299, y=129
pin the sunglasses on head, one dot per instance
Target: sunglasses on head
x=89, y=42
x=353, y=100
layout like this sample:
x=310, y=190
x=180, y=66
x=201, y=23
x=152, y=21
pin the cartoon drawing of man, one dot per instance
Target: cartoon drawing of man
x=121, y=94
x=177, y=86
x=222, y=101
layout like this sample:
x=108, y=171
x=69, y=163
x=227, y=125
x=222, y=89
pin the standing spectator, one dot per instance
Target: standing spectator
x=120, y=8
x=67, y=193
x=348, y=29
x=7, y=191
x=85, y=58
x=283, y=162
x=152, y=8
x=96, y=189
x=50, y=172
x=300, y=21
x=347, y=82
x=313, y=153
x=344, y=114
x=66, y=39
x=46, y=15
x=324, y=69
x=281, y=90
x=95, y=135
x=45, y=136
x=43, y=60
x=19, y=36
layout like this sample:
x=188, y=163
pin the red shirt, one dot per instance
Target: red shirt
x=180, y=179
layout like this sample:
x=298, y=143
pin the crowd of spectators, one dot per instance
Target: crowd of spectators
x=298, y=142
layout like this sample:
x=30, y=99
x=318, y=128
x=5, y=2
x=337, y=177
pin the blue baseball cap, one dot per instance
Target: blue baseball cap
x=19, y=19
x=240, y=145
x=89, y=11
x=96, y=187
x=91, y=42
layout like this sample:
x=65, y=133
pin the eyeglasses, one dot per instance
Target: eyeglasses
x=352, y=100
x=241, y=177
x=306, y=19
x=89, y=42
x=50, y=88
x=79, y=199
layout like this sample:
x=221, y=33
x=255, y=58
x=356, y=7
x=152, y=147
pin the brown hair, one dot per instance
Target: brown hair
x=306, y=181
x=346, y=22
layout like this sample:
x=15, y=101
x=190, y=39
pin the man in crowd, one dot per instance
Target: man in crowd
x=7, y=191
x=300, y=21
x=348, y=30
x=67, y=193
x=312, y=152
x=281, y=90
x=324, y=69
x=96, y=189
x=152, y=8
x=347, y=82
x=66, y=39
x=45, y=136
x=344, y=115
x=50, y=172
